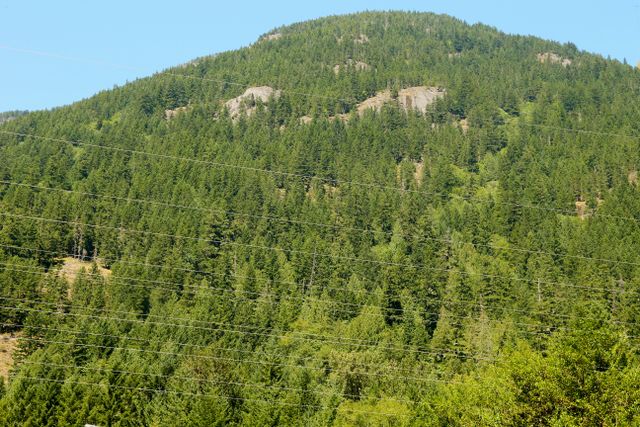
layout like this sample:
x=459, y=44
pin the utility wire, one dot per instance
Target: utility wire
x=351, y=311
x=418, y=238
x=292, y=251
x=263, y=354
x=229, y=328
x=284, y=282
x=245, y=361
x=208, y=396
x=215, y=382
x=301, y=176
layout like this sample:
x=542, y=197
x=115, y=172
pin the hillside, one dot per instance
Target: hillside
x=375, y=219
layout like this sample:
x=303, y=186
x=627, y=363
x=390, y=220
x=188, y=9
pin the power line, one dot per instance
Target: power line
x=293, y=251
x=245, y=361
x=511, y=248
x=228, y=328
x=260, y=362
x=504, y=310
x=302, y=176
x=303, y=298
x=209, y=396
x=258, y=331
x=211, y=381
x=210, y=347
x=285, y=282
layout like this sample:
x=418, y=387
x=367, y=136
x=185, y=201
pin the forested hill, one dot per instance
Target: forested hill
x=376, y=219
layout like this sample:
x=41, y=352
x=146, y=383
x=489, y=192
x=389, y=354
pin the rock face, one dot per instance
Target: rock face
x=419, y=98
x=416, y=98
x=375, y=102
x=170, y=114
x=552, y=58
x=273, y=36
x=246, y=103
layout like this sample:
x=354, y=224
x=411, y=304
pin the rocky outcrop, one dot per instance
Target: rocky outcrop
x=419, y=98
x=375, y=102
x=246, y=103
x=272, y=36
x=170, y=114
x=361, y=39
x=464, y=125
x=552, y=58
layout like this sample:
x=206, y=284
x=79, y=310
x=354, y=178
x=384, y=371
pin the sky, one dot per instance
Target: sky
x=53, y=53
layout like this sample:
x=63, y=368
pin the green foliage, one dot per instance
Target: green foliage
x=398, y=268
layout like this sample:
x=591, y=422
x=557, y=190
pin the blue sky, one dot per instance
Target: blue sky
x=92, y=38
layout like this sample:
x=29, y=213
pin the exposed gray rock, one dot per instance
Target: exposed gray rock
x=245, y=103
x=170, y=114
x=419, y=98
x=552, y=58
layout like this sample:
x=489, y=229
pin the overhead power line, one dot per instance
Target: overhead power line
x=304, y=176
x=509, y=248
x=206, y=396
x=294, y=251
x=196, y=380
x=355, y=309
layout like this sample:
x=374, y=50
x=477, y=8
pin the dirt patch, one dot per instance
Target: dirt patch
x=246, y=102
x=632, y=177
x=553, y=58
x=71, y=267
x=8, y=344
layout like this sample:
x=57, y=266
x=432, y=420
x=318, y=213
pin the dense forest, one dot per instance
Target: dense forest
x=170, y=258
